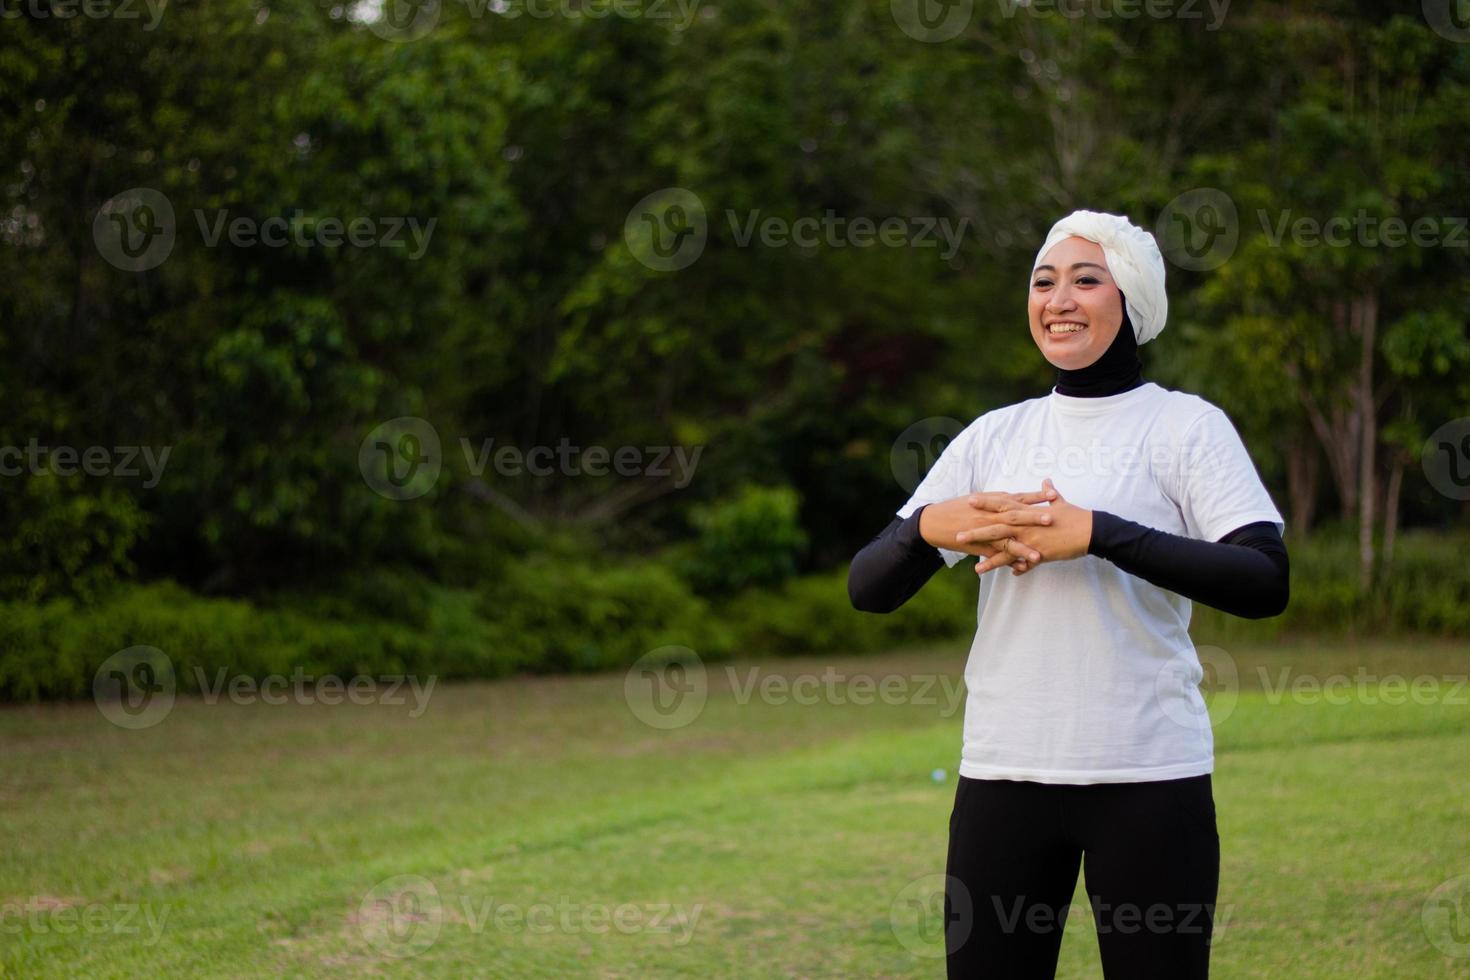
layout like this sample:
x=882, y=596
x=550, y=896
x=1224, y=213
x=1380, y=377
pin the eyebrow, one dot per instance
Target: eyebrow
x=1075, y=265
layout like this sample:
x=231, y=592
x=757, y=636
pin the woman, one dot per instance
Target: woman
x=1086, y=739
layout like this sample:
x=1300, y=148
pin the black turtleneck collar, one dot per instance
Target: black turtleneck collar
x=1117, y=370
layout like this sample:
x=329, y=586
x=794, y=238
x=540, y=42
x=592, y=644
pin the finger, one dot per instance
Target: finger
x=993, y=501
x=1047, y=485
x=1000, y=557
x=1035, y=496
x=1027, y=515
x=987, y=532
x=1022, y=552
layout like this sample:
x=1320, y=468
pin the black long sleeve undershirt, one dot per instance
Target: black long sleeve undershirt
x=892, y=567
x=1245, y=573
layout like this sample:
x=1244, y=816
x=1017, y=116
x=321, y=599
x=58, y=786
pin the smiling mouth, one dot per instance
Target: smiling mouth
x=1065, y=328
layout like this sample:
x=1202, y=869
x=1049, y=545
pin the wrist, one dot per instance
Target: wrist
x=918, y=529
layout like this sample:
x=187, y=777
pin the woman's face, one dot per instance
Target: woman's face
x=1072, y=287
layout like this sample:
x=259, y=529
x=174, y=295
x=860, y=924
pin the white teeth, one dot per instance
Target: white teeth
x=1066, y=328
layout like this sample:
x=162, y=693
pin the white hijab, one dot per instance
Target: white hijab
x=1134, y=259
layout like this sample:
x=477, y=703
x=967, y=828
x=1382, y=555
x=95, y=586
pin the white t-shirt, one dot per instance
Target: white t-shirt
x=1079, y=671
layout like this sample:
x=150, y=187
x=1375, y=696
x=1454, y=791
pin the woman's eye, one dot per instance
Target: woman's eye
x=1087, y=281
x=1038, y=284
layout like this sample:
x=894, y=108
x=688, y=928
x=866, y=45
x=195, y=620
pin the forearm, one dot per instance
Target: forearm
x=1246, y=573
x=892, y=567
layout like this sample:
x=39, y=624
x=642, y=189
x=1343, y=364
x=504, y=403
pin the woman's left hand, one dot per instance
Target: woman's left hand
x=1067, y=536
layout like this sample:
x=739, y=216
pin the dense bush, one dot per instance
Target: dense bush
x=752, y=538
x=569, y=613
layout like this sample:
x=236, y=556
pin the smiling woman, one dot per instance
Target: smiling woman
x=1086, y=737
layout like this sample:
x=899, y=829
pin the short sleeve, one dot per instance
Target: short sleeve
x=952, y=475
x=1218, y=487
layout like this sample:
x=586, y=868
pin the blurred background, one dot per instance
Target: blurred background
x=483, y=339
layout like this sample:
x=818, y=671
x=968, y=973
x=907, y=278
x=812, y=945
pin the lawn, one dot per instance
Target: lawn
x=538, y=827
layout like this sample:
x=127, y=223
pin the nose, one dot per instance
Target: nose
x=1060, y=300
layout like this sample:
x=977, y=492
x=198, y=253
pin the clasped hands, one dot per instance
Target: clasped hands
x=1009, y=528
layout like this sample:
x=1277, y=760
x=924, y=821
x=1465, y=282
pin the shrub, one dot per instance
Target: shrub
x=750, y=539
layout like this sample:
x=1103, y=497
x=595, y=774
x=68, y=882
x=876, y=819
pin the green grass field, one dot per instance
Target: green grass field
x=546, y=830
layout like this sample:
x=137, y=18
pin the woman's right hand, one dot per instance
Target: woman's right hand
x=992, y=514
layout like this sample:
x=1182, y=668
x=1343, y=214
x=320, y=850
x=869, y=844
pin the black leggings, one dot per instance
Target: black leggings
x=1150, y=854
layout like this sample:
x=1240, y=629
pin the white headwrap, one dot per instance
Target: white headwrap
x=1134, y=259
